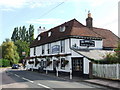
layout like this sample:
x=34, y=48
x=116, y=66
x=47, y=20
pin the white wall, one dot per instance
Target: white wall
x=38, y=50
x=31, y=52
x=86, y=66
x=98, y=43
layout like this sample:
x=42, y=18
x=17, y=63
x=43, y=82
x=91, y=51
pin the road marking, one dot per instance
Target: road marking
x=38, y=83
x=27, y=80
x=17, y=75
x=45, y=86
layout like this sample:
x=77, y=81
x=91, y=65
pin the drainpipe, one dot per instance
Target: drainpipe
x=57, y=71
x=71, y=60
x=70, y=73
x=46, y=71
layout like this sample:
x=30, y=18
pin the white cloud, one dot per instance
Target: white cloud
x=45, y=21
x=12, y=4
x=38, y=3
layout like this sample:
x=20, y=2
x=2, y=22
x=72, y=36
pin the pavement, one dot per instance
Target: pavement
x=113, y=84
x=107, y=83
x=8, y=82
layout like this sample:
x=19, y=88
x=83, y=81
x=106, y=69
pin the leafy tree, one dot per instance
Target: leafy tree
x=20, y=33
x=27, y=37
x=23, y=33
x=22, y=46
x=9, y=51
x=15, y=35
x=22, y=39
x=117, y=50
x=31, y=33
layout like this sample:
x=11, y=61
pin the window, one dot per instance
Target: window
x=42, y=64
x=49, y=46
x=39, y=38
x=49, y=34
x=62, y=28
x=34, y=50
x=62, y=63
x=43, y=49
x=62, y=44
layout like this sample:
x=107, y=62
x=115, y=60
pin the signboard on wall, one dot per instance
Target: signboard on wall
x=87, y=43
x=56, y=49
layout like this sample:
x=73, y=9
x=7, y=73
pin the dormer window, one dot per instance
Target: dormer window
x=39, y=38
x=62, y=29
x=49, y=34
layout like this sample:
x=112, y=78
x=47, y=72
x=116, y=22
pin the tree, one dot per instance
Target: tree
x=22, y=46
x=20, y=33
x=22, y=39
x=9, y=51
x=27, y=37
x=31, y=33
x=23, y=34
x=117, y=50
x=15, y=35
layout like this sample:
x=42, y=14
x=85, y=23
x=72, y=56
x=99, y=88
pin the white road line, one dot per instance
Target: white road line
x=38, y=84
x=27, y=80
x=17, y=75
x=45, y=86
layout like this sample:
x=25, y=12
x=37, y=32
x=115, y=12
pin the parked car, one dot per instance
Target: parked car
x=15, y=66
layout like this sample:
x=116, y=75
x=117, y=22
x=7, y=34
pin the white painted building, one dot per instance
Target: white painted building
x=68, y=47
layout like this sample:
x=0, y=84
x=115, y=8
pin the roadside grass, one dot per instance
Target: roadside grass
x=5, y=67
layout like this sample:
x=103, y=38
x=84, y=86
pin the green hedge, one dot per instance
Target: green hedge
x=4, y=63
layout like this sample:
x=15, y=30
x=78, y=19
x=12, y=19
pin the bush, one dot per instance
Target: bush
x=4, y=63
x=109, y=59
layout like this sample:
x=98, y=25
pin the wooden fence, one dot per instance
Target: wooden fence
x=109, y=71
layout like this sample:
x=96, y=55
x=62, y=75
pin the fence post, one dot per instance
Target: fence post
x=117, y=71
x=90, y=70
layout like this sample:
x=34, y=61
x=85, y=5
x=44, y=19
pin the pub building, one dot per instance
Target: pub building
x=70, y=47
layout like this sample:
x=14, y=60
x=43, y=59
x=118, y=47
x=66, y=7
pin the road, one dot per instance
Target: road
x=12, y=78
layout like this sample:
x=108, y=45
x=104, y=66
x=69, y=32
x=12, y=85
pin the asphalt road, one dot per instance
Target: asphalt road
x=12, y=78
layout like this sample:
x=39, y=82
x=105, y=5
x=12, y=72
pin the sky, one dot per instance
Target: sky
x=51, y=13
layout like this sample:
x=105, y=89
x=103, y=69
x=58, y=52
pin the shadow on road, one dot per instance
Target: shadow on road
x=9, y=76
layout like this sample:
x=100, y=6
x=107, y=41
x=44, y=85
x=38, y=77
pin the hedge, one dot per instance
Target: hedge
x=4, y=63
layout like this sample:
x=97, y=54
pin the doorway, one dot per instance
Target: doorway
x=77, y=66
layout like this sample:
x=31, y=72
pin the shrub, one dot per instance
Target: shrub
x=109, y=59
x=4, y=63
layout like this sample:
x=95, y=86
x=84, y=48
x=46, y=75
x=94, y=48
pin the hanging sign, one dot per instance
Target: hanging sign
x=56, y=49
x=87, y=43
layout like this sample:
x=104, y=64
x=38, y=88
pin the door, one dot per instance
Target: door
x=77, y=66
x=54, y=65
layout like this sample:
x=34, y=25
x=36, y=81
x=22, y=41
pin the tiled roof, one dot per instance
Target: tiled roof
x=95, y=54
x=75, y=28
x=109, y=38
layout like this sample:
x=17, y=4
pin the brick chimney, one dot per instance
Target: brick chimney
x=89, y=20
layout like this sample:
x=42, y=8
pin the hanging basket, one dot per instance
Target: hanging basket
x=48, y=63
x=57, y=62
x=36, y=62
x=31, y=62
x=66, y=62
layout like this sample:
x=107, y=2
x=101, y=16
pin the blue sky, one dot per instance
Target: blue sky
x=15, y=13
